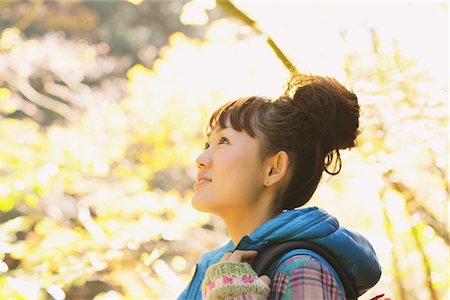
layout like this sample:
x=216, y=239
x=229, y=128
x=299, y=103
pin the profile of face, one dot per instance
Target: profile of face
x=230, y=176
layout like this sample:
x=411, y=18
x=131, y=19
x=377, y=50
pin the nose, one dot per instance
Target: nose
x=203, y=160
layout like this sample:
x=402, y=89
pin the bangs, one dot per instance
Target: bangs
x=243, y=114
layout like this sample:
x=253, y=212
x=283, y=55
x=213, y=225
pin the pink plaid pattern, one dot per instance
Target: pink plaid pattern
x=301, y=277
x=304, y=277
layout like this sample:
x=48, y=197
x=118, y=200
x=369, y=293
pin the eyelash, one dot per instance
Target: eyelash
x=221, y=139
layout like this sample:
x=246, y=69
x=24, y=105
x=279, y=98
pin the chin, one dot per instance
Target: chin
x=197, y=203
x=202, y=205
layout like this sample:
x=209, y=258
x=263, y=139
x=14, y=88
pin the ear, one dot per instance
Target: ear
x=276, y=168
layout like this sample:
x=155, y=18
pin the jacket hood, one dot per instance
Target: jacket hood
x=301, y=224
x=355, y=254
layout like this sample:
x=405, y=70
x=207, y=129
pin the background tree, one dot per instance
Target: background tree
x=103, y=107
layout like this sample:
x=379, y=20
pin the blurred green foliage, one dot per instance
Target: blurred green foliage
x=103, y=107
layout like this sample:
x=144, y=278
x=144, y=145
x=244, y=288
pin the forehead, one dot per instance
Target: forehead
x=217, y=126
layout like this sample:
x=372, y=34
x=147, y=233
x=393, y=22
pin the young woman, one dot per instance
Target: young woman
x=262, y=161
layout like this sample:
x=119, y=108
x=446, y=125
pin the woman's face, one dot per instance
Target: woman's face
x=230, y=176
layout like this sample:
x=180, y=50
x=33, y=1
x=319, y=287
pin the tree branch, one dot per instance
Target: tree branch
x=395, y=261
x=37, y=98
x=414, y=206
x=426, y=262
x=29, y=17
x=235, y=12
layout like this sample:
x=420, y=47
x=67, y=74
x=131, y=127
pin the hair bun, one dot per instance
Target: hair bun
x=331, y=110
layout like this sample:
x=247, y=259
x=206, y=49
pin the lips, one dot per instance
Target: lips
x=203, y=178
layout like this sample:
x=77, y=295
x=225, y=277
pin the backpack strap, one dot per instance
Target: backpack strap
x=269, y=254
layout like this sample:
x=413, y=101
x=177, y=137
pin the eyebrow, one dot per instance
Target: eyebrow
x=218, y=130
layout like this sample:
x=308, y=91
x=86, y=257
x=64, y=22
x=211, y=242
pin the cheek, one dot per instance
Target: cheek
x=238, y=171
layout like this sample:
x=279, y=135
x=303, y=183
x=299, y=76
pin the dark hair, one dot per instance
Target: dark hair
x=312, y=121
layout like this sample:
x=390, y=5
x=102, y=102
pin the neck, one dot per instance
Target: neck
x=245, y=221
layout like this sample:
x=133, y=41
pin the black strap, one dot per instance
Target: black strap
x=269, y=254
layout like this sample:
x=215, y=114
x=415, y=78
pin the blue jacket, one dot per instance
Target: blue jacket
x=352, y=250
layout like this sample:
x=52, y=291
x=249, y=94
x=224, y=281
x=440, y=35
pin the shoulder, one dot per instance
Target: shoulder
x=305, y=277
x=292, y=264
x=215, y=254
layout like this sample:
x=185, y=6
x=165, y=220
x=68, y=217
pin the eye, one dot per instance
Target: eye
x=224, y=140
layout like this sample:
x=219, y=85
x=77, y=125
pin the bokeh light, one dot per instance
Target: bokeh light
x=103, y=108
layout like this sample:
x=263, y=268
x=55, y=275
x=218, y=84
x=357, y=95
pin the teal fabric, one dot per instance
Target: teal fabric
x=351, y=249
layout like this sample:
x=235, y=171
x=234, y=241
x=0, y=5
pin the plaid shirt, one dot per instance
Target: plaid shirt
x=301, y=277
